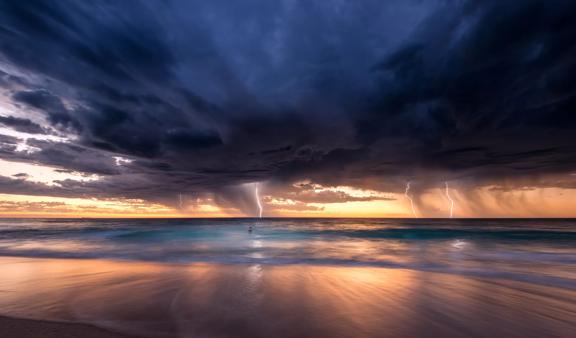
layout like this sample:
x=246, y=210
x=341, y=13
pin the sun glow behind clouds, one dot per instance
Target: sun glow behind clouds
x=46, y=206
x=549, y=203
x=348, y=190
x=312, y=201
x=41, y=174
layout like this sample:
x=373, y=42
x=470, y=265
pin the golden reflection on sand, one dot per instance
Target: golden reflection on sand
x=279, y=301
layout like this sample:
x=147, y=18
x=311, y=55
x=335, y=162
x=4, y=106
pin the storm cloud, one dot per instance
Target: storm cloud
x=201, y=97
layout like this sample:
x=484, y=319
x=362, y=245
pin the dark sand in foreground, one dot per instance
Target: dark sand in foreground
x=25, y=328
x=211, y=300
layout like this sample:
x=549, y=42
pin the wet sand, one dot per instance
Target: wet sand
x=208, y=300
x=23, y=328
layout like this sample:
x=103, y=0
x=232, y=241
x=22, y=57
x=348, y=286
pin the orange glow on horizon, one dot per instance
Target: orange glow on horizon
x=550, y=202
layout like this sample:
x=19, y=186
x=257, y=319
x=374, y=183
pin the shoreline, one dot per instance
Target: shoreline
x=111, y=299
x=33, y=328
x=557, y=282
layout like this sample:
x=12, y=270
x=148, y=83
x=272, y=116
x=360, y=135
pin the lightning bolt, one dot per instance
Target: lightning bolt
x=447, y=192
x=410, y=198
x=180, y=200
x=257, y=195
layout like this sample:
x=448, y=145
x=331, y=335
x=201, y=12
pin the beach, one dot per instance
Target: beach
x=212, y=300
x=23, y=328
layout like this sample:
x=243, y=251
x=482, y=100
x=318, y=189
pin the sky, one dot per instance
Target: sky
x=329, y=108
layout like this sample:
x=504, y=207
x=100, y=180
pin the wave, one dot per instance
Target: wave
x=493, y=272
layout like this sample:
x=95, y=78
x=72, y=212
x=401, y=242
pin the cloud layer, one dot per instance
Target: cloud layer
x=200, y=97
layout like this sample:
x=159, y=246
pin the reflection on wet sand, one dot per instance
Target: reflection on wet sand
x=203, y=300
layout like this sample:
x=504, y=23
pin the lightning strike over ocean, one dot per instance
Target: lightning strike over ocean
x=406, y=193
x=257, y=196
x=180, y=201
x=447, y=192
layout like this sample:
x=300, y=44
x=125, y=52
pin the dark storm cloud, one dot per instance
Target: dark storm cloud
x=57, y=114
x=24, y=187
x=489, y=87
x=7, y=145
x=202, y=96
x=22, y=125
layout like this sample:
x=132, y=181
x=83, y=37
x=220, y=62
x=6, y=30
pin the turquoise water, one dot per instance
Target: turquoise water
x=535, y=250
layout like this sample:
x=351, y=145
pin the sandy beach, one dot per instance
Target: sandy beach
x=23, y=328
x=210, y=300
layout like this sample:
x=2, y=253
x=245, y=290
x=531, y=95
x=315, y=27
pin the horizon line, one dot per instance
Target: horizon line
x=297, y=217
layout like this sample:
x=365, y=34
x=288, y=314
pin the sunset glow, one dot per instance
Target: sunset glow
x=549, y=202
